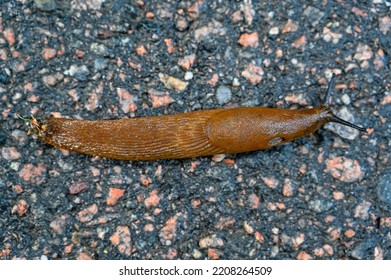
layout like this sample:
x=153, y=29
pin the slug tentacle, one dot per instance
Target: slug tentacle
x=330, y=89
x=336, y=119
x=331, y=117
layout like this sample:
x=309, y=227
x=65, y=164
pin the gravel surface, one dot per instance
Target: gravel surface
x=326, y=196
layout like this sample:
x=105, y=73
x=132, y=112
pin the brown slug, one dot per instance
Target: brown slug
x=186, y=135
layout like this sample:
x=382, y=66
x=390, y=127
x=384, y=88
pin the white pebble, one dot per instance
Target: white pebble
x=274, y=31
x=189, y=75
x=235, y=82
x=345, y=99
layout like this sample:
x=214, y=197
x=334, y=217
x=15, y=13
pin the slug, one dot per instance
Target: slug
x=186, y=135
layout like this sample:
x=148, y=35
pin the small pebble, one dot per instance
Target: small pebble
x=52, y=80
x=274, y=251
x=99, y=49
x=213, y=254
x=10, y=153
x=259, y=237
x=290, y=26
x=197, y=254
x=385, y=24
x=249, y=40
x=300, y=42
x=271, y=182
x=350, y=233
x=248, y=12
x=320, y=205
x=313, y=14
x=303, y=256
x=218, y=157
x=274, y=31
x=287, y=189
x=88, y=213
x=330, y=36
x=253, y=201
x=141, y=50
x=46, y=5
x=4, y=77
x=49, y=53
x=114, y=195
x=189, y=75
x=362, y=210
x=235, y=82
x=345, y=99
x=223, y=94
x=181, y=23
x=249, y=229
x=211, y=241
x=153, y=199
x=344, y=169
x=364, y=249
x=172, y=82
x=77, y=187
x=9, y=35
x=338, y=195
x=169, y=45
x=253, y=73
x=79, y=72
x=383, y=191
x=212, y=28
x=363, y=52
x=149, y=15
x=20, y=209
x=168, y=232
x=58, y=225
x=121, y=238
x=187, y=62
x=100, y=64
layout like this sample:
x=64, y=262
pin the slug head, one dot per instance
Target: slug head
x=328, y=115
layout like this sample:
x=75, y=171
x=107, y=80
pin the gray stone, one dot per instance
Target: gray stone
x=313, y=14
x=320, y=205
x=4, y=77
x=79, y=72
x=46, y=5
x=223, y=94
x=100, y=64
x=364, y=249
x=383, y=191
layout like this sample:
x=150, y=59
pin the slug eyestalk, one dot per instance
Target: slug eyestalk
x=332, y=117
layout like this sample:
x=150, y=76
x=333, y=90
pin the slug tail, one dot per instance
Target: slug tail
x=35, y=126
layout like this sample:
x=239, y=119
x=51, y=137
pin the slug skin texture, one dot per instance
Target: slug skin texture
x=147, y=138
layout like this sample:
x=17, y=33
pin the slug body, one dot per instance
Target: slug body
x=194, y=134
x=185, y=135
